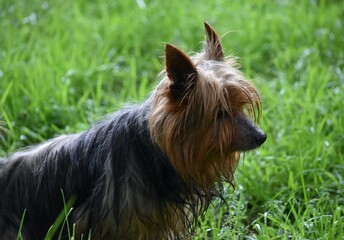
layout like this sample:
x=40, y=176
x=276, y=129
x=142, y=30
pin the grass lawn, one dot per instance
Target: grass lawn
x=64, y=64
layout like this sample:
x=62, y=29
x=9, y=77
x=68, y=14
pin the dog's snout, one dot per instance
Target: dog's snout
x=261, y=137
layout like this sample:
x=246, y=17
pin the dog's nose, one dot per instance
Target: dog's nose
x=261, y=137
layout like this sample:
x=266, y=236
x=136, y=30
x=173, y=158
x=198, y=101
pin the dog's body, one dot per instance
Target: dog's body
x=114, y=170
x=145, y=172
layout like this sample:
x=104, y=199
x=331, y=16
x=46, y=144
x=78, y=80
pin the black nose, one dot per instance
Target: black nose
x=261, y=137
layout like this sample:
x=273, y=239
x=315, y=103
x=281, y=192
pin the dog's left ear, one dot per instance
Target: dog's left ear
x=213, y=48
x=180, y=70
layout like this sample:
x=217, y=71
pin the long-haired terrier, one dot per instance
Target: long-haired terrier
x=147, y=171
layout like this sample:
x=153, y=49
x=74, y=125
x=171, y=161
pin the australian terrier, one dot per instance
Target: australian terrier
x=147, y=171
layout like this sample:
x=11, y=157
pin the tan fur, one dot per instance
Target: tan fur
x=189, y=133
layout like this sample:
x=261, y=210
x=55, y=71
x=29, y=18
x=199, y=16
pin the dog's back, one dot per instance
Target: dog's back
x=2, y=161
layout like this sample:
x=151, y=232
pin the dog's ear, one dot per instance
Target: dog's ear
x=213, y=48
x=180, y=70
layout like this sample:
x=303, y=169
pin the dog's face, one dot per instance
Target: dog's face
x=201, y=114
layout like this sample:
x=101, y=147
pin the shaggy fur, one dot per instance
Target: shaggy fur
x=147, y=171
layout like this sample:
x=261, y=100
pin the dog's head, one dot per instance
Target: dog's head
x=204, y=113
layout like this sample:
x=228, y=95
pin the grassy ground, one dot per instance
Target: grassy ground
x=63, y=64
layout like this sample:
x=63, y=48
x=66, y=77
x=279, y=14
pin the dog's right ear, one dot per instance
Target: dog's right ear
x=180, y=70
x=213, y=48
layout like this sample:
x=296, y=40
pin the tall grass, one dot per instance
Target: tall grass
x=63, y=64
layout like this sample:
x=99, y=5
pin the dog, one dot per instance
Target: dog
x=148, y=171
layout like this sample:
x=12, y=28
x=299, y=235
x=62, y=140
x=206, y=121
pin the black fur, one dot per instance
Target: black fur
x=118, y=146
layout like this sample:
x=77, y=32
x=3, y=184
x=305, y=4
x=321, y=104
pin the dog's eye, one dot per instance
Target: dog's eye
x=222, y=115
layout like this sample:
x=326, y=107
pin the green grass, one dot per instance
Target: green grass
x=64, y=64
